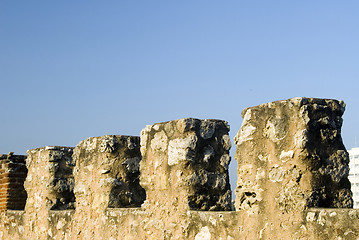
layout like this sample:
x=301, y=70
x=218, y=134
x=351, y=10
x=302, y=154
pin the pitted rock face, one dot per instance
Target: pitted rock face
x=57, y=168
x=190, y=155
x=159, y=142
x=181, y=149
x=207, y=129
x=108, y=167
x=107, y=144
x=336, y=166
x=290, y=158
x=132, y=164
x=326, y=152
x=298, y=143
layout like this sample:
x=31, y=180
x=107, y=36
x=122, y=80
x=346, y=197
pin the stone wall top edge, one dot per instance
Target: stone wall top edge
x=299, y=101
x=112, y=135
x=96, y=138
x=108, y=135
x=16, y=157
x=190, y=118
x=50, y=148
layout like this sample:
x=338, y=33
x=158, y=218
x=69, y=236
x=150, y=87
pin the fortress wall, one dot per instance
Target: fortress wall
x=292, y=181
x=135, y=223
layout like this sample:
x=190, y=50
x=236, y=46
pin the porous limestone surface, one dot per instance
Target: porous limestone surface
x=49, y=179
x=138, y=223
x=106, y=176
x=292, y=179
x=191, y=156
x=184, y=166
x=107, y=172
x=329, y=223
x=49, y=185
x=291, y=157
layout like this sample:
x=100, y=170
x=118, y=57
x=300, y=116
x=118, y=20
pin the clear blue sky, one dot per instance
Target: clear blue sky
x=75, y=69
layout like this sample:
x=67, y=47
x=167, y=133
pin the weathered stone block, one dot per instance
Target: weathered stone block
x=107, y=172
x=49, y=185
x=107, y=177
x=290, y=157
x=50, y=181
x=185, y=164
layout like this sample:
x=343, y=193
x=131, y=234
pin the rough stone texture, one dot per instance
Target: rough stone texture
x=280, y=211
x=107, y=172
x=52, y=166
x=190, y=156
x=137, y=223
x=13, y=172
x=49, y=185
x=107, y=176
x=290, y=157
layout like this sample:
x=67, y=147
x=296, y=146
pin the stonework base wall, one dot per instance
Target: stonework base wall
x=137, y=223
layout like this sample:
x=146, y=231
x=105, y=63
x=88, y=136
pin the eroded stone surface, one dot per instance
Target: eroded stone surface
x=50, y=177
x=136, y=223
x=278, y=180
x=190, y=155
x=107, y=177
x=298, y=144
x=49, y=185
x=108, y=167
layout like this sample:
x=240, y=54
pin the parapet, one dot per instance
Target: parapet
x=185, y=164
x=106, y=177
x=290, y=158
x=173, y=183
x=49, y=185
x=50, y=182
x=107, y=172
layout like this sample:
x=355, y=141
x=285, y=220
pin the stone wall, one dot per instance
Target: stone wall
x=106, y=177
x=107, y=172
x=290, y=158
x=190, y=156
x=49, y=185
x=173, y=183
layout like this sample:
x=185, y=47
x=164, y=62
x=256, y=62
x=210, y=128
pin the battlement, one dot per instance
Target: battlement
x=185, y=164
x=172, y=182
